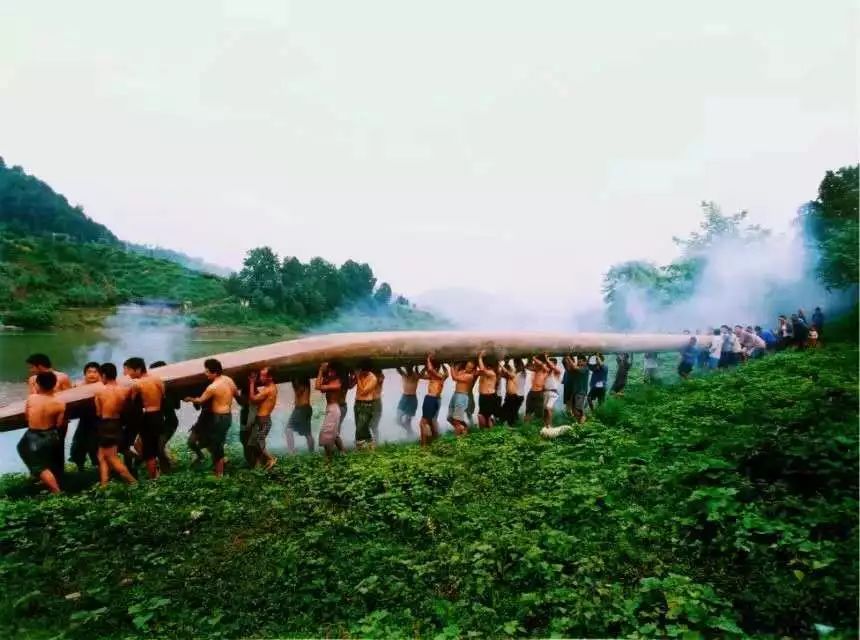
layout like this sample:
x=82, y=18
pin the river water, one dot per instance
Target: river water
x=154, y=334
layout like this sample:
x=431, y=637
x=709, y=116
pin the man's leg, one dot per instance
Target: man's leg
x=104, y=468
x=291, y=441
x=47, y=477
x=194, y=446
x=115, y=463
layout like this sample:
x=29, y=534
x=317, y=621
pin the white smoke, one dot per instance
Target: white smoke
x=741, y=282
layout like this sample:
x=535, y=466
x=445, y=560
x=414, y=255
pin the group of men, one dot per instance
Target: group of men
x=129, y=425
x=731, y=346
x=502, y=390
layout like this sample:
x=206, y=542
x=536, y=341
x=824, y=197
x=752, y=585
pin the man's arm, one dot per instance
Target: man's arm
x=65, y=382
x=432, y=371
x=402, y=372
x=481, y=368
x=97, y=401
x=207, y=394
x=366, y=384
x=60, y=420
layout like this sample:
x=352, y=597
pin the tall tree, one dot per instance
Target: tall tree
x=383, y=294
x=832, y=222
x=357, y=279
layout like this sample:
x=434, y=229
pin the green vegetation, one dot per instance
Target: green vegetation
x=832, y=222
x=53, y=258
x=723, y=506
x=40, y=275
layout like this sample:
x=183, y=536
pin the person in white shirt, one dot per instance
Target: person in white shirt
x=715, y=349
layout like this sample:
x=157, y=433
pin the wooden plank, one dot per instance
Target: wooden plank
x=294, y=358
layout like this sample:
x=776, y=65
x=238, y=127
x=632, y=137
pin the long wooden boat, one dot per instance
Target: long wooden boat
x=294, y=358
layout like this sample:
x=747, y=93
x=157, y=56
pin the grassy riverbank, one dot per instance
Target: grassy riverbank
x=721, y=506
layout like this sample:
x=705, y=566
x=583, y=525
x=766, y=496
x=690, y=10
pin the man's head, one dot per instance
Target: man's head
x=157, y=363
x=818, y=309
x=716, y=332
x=519, y=367
x=212, y=368
x=108, y=372
x=46, y=381
x=738, y=329
x=758, y=330
x=470, y=366
x=266, y=375
x=725, y=328
x=693, y=341
x=365, y=364
x=686, y=332
x=91, y=372
x=134, y=368
x=38, y=362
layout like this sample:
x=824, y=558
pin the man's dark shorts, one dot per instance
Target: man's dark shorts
x=430, y=407
x=534, y=403
x=215, y=437
x=110, y=433
x=488, y=405
x=300, y=420
x=408, y=405
x=260, y=431
x=151, y=430
x=38, y=449
x=363, y=420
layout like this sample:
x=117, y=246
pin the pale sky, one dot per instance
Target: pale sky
x=515, y=147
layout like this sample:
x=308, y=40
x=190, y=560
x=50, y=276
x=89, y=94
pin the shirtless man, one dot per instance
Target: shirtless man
x=408, y=405
x=150, y=390
x=85, y=442
x=300, y=418
x=40, y=363
x=365, y=387
x=330, y=381
x=551, y=383
x=377, y=403
x=264, y=397
x=511, y=372
x=45, y=417
x=488, y=399
x=464, y=376
x=221, y=391
x=435, y=374
x=535, y=397
x=110, y=401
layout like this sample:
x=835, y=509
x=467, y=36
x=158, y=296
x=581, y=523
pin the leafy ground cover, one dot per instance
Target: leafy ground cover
x=722, y=506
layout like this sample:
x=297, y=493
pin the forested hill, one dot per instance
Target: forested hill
x=54, y=257
x=30, y=206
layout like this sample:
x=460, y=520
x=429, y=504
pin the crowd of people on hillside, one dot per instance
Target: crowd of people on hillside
x=127, y=426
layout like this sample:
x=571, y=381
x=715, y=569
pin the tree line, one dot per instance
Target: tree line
x=309, y=290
